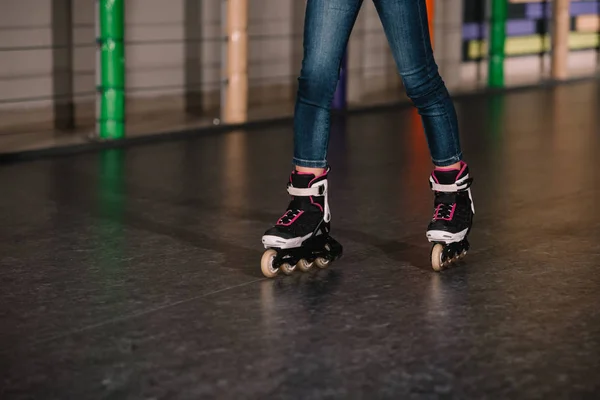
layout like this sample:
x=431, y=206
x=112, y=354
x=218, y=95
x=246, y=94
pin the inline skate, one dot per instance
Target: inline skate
x=300, y=238
x=452, y=217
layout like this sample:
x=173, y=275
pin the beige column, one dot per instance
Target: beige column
x=235, y=107
x=560, y=40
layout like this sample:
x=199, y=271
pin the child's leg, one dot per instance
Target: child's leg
x=305, y=222
x=406, y=27
x=327, y=27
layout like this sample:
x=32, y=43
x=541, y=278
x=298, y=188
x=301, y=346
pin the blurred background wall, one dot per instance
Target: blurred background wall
x=174, y=58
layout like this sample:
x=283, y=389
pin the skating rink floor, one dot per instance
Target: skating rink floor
x=134, y=273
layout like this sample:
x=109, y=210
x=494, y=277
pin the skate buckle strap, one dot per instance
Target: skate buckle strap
x=319, y=189
x=460, y=185
x=305, y=192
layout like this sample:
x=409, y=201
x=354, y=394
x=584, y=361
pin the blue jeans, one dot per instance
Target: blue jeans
x=327, y=27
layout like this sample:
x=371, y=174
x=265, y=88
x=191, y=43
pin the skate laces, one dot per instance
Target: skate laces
x=444, y=211
x=445, y=206
x=289, y=217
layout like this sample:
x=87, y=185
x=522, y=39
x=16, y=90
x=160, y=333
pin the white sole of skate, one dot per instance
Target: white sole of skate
x=446, y=237
x=280, y=243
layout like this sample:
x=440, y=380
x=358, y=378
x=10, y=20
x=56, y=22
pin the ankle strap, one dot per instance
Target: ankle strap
x=460, y=185
x=313, y=191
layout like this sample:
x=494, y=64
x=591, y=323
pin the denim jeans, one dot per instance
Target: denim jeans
x=328, y=24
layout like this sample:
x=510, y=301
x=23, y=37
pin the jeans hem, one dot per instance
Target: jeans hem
x=298, y=162
x=448, y=161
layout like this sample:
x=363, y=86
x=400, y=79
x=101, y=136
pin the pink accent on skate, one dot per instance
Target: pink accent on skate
x=310, y=184
x=446, y=169
x=280, y=222
x=317, y=177
x=437, y=211
x=316, y=204
x=306, y=173
x=462, y=170
x=298, y=173
x=461, y=166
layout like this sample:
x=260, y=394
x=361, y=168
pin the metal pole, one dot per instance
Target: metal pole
x=561, y=22
x=497, y=42
x=235, y=102
x=110, y=78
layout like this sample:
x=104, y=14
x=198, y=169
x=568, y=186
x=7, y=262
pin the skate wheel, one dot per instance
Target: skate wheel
x=436, y=257
x=287, y=268
x=304, y=265
x=322, y=262
x=266, y=264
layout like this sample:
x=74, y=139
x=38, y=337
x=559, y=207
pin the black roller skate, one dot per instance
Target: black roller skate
x=300, y=238
x=452, y=217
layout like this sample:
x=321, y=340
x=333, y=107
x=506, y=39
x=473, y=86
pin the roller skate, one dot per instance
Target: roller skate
x=452, y=217
x=300, y=238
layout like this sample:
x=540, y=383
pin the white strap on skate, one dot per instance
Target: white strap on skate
x=462, y=184
x=300, y=192
x=318, y=189
x=459, y=185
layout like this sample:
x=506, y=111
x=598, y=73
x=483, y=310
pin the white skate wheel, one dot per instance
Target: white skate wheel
x=322, y=262
x=287, y=268
x=436, y=257
x=304, y=265
x=266, y=264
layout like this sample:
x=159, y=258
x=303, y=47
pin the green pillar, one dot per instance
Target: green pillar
x=110, y=115
x=497, y=42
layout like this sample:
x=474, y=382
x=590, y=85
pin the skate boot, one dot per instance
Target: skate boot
x=300, y=238
x=452, y=217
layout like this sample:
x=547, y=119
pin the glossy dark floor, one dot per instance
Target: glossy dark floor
x=134, y=273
